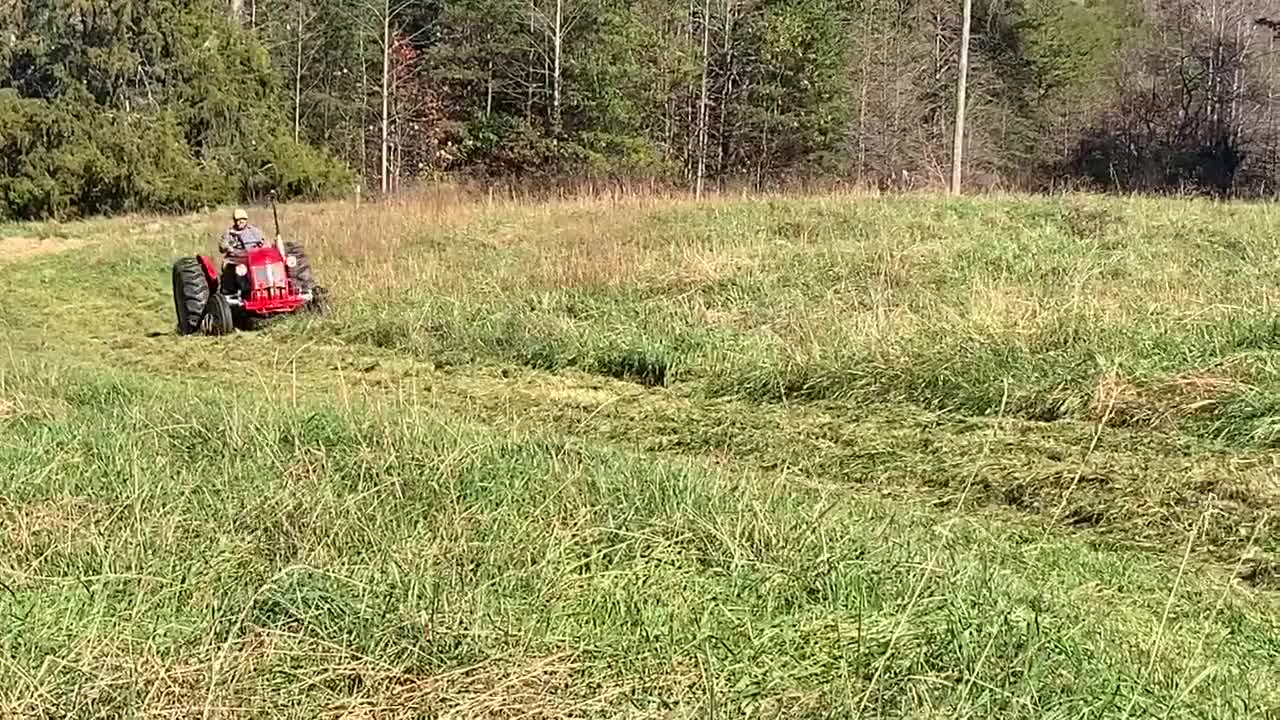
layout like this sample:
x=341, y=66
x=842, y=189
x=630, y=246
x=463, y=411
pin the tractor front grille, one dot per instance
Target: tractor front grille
x=270, y=281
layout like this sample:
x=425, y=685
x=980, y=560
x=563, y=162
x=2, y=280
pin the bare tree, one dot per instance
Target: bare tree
x=558, y=44
x=533, y=56
x=379, y=19
x=727, y=92
x=555, y=22
x=386, y=76
x=702, y=103
x=302, y=21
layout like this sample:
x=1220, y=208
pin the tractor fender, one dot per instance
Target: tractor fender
x=210, y=272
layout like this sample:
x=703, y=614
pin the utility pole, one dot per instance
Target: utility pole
x=957, y=153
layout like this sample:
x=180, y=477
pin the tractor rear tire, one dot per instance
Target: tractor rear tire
x=218, y=318
x=190, y=294
x=300, y=273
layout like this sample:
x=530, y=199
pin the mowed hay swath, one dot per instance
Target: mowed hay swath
x=820, y=456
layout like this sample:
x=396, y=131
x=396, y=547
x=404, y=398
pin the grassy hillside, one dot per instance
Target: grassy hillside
x=810, y=457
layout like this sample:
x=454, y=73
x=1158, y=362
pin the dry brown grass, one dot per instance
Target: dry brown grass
x=227, y=683
x=453, y=242
x=1159, y=404
x=17, y=248
x=14, y=406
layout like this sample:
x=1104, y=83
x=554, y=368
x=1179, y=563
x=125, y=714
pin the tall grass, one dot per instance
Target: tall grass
x=1034, y=306
x=171, y=553
x=641, y=457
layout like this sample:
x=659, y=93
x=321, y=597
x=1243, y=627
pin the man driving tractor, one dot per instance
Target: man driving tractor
x=239, y=238
x=241, y=235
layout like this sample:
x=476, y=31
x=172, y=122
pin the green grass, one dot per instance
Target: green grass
x=768, y=458
x=970, y=308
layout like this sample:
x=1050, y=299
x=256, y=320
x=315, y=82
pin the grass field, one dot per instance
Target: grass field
x=783, y=458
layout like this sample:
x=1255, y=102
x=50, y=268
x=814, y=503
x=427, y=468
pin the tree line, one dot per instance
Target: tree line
x=115, y=105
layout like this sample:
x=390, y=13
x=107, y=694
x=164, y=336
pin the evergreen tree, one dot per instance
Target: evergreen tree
x=142, y=104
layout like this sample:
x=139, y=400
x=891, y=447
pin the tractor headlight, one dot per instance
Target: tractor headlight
x=242, y=270
x=291, y=261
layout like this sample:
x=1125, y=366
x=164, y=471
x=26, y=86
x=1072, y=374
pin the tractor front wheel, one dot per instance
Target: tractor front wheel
x=218, y=318
x=190, y=294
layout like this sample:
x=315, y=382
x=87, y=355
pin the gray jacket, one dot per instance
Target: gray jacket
x=240, y=240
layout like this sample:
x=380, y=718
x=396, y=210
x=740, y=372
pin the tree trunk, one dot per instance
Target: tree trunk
x=547, y=79
x=394, y=133
x=957, y=153
x=702, y=102
x=690, y=129
x=297, y=81
x=386, y=77
x=1271, y=115
x=555, y=78
x=533, y=56
x=488, y=100
x=862, y=100
x=363, y=118
x=1215, y=52
x=398, y=156
x=723, y=144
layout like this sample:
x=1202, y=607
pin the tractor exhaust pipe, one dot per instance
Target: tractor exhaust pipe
x=276, y=218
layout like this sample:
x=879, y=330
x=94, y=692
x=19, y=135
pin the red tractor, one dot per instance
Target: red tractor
x=255, y=285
